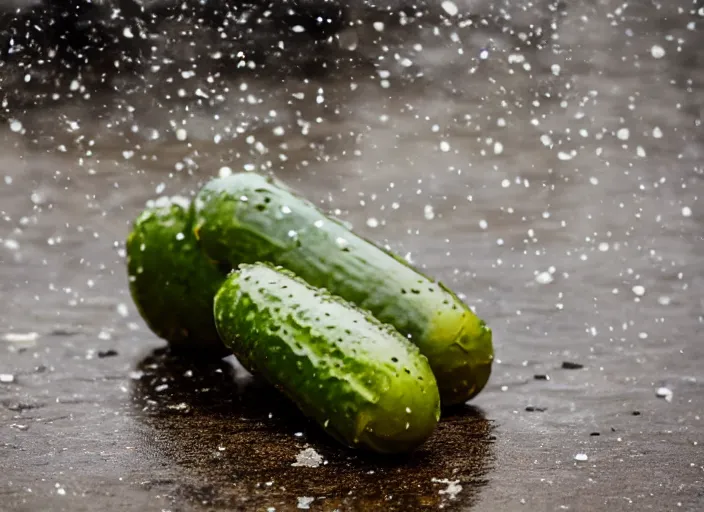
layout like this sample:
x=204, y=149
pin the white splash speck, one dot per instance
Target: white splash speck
x=623, y=133
x=639, y=290
x=453, y=487
x=581, y=457
x=657, y=51
x=21, y=337
x=372, y=222
x=122, y=310
x=664, y=300
x=10, y=244
x=483, y=224
x=450, y=8
x=429, y=212
x=16, y=126
x=7, y=378
x=181, y=134
x=305, y=501
x=444, y=146
x=664, y=393
x=544, y=278
x=686, y=211
x=308, y=458
x=657, y=132
x=225, y=171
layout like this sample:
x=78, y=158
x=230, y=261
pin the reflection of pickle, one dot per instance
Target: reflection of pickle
x=215, y=425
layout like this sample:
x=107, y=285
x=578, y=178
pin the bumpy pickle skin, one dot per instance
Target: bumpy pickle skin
x=246, y=218
x=172, y=282
x=361, y=380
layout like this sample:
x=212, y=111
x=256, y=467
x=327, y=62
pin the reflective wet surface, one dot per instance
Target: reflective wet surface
x=553, y=177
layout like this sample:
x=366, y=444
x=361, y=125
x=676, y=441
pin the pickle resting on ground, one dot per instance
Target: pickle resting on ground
x=171, y=281
x=361, y=380
x=248, y=218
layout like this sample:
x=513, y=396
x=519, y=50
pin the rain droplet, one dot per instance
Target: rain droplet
x=664, y=393
x=544, y=278
x=450, y=8
x=657, y=51
x=16, y=126
x=122, y=310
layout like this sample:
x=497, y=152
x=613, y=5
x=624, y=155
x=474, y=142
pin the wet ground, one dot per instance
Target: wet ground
x=555, y=181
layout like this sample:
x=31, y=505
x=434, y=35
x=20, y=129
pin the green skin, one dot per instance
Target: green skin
x=172, y=282
x=363, y=382
x=246, y=218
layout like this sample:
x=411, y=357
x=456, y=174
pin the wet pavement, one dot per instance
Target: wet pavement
x=554, y=180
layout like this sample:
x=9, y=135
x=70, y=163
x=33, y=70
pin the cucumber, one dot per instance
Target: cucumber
x=361, y=380
x=171, y=281
x=245, y=218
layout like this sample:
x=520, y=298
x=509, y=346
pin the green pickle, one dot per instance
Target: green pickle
x=172, y=282
x=361, y=380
